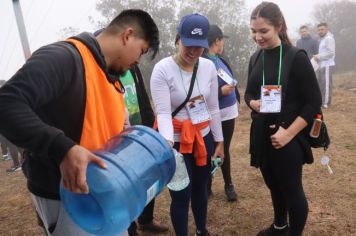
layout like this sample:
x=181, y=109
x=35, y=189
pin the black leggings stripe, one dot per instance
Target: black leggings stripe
x=228, y=127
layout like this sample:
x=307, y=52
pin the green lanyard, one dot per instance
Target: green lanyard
x=280, y=65
x=181, y=76
x=214, y=58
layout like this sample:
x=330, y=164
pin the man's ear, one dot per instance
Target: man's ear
x=126, y=34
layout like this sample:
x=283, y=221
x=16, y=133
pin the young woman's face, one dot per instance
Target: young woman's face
x=264, y=33
x=189, y=55
x=220, y=45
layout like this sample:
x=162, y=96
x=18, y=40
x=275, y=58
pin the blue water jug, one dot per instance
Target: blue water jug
x=139, y=164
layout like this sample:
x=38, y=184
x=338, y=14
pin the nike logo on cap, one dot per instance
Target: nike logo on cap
x=197, y=31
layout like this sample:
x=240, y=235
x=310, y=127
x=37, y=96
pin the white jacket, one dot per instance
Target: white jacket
x=327, y=50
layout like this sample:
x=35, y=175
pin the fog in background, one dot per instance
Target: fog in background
x=47, y=21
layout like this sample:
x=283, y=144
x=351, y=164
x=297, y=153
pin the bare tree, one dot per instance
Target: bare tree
x=67, y=32
x=229, y=15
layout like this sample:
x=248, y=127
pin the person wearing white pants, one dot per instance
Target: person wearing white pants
x=326, y=60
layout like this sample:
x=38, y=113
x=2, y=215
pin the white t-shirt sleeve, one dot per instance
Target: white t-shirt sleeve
x=213, y=105
x=162, y=101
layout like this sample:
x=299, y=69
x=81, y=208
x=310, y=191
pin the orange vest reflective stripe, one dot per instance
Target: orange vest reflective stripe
x=104, y=108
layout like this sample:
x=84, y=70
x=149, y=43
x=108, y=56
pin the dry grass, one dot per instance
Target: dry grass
x=332, y=198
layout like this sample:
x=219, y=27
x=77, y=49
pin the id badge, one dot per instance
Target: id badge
x=271, y=99
x=198, y=110
x=226, y=77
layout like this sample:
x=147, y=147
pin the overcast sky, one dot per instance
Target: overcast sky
x=45, y=18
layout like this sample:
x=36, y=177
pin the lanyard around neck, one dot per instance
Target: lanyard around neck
x=279, y=68
x=181, y=76
x=214, y=58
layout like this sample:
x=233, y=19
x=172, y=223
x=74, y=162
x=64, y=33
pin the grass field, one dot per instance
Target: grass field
x=332, y=198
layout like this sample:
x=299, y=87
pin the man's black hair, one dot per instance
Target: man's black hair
x=322, y=24
x=304, y=27
x=145, y=26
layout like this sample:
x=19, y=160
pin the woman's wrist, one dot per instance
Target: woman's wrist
x=170, y=143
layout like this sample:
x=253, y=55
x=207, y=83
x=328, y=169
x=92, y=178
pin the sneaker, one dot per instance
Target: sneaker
x=14, y=169
x=230, y=193
x=202, y=233
x=154, y=227
x=272, y=231
x=6, y=157
x=325, y=106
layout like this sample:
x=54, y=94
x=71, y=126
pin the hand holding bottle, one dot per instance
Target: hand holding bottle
x=216, y=163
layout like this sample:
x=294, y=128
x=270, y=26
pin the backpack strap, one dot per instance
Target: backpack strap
x=175, y=112
x=255, y=57
x=287, y=65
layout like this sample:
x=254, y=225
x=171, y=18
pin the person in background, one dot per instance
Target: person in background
x=278, y=141
x=192, y=129
x=140, y=113
x=307, y=42
x=9, y=148
x=4, y=148
x=59, y=112
x=229, y=98
x=326, y=60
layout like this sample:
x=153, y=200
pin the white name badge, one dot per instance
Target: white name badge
x=271, y=98
x=226, y=77
x=198, y=110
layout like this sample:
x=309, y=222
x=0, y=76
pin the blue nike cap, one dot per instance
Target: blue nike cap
x=193, y=30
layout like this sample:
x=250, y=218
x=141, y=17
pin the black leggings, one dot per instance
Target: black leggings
x=228, y=127
x=196, y=192
x=282, y=174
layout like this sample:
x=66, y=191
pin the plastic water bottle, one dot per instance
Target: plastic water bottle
x=180, y=178
x=139, y=164
x=216, y=165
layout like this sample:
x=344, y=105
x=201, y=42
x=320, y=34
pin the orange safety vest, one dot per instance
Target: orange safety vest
x=104, y=108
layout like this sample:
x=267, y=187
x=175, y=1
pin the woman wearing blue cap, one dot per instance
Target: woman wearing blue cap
x=185, y=94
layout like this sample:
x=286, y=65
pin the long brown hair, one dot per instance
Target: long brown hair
x=271, y=12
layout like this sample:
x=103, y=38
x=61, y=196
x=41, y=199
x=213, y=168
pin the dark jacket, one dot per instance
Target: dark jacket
x=205, y=55
x=42, y=109
x=302, y=98
x=309, y=44
x=146, y=112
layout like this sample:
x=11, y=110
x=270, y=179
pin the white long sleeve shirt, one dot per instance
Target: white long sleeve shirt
x=169, y=88
x=327, y=50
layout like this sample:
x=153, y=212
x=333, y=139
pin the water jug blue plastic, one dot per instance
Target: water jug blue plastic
x=140, y=163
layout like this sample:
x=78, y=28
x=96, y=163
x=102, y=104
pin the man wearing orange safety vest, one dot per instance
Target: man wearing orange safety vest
x=65, y=102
